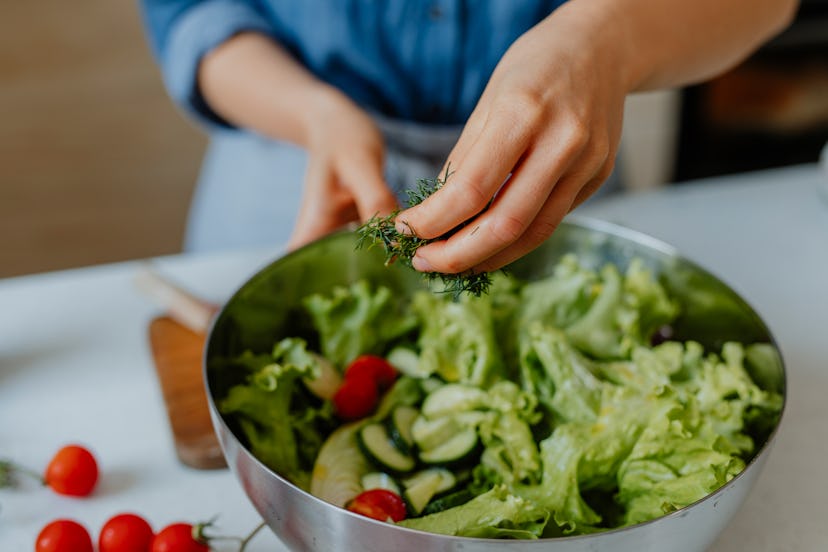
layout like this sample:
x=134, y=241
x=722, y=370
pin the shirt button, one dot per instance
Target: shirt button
x=435, y=12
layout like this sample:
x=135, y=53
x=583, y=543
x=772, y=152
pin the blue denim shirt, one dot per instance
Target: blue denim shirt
x=413, y=60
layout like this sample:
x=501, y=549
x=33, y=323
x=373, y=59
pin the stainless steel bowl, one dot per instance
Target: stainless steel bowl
x=712, y=313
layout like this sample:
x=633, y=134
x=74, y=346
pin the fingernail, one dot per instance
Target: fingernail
x=421, y=264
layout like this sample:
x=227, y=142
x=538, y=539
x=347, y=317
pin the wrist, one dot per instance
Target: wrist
x=605, y=38
x=321, y=105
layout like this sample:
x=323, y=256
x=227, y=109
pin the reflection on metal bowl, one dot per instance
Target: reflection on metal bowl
x=304, y=522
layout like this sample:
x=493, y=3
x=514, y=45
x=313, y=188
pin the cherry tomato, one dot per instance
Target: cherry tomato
x=72, y=471
x=177, y=537
x=63, y=535
x=356, y=398
x=375, y=368
x=380, y=504
x=125, y=533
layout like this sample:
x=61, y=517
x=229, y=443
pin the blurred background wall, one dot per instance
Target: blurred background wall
x=97, y=166
x=95, y=163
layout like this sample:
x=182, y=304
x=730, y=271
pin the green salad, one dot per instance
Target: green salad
x=542, y=409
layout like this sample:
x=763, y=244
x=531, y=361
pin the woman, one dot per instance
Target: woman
x=523, y=99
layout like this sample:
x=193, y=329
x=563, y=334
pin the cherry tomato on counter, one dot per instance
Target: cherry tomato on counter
x=373, y=367
x=72, y=471
x=177, y=537
x=63, y=535
x=380, y=504
x=125, y=533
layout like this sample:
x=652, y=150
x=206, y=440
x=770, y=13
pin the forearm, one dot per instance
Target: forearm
x=254, y=83
x=668, y=43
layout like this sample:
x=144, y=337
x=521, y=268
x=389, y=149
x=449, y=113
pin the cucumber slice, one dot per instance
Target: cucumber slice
x=457, y=498
x=379, y=448
x=429, y=434
x=380, y=480
x=452, y=398
x=339, y=467
x=459, y=449
x=399, y=427
x=442, y=479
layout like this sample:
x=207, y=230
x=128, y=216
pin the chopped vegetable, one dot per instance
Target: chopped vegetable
x=539, y=410
x=379, y=504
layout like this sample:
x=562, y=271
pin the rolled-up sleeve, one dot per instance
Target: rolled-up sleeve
x=182, y=32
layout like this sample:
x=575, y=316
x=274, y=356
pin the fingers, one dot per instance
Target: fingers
x=563, y=199
x=363, y=176
x=484, y=162
x=347, y=188
x=528, y=209
x=323, y=209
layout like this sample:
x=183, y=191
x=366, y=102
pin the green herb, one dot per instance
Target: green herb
x=402, y=247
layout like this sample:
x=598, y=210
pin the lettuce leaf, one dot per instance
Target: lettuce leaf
x=357, y=320
x=457, y=339
x=284, y=425
x=603, y=314
x=496, y=513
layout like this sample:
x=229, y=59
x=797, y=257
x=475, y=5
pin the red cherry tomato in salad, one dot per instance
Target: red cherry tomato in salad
x=63, y=535
x=373, y=367
x=356, y=398
x=380, y=504
x=125, y=533
x=72, y=471
x=177, y=537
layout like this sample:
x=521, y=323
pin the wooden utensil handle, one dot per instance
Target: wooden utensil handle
x=181, y=305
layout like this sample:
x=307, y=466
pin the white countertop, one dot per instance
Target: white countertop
x=75, y=365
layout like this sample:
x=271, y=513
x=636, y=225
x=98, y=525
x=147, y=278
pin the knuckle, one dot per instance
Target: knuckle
x=606, y=171
x=578, y=132
x=452, y=265
x=472, y=196
x=524, y=106
x=600, y=146
x=540, y=231
x=506, y=229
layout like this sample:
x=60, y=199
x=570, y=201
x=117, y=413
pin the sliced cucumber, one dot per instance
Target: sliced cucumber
x=429, y=434
x=380, y=480
x=452, y=398
x=379, y=448
x=442, y=479
x=451, y=500
x=339, y=467
x=424, y=486
x=457, y=450
x=399, y=427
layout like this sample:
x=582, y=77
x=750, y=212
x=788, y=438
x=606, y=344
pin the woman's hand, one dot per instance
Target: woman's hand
x=546, y=130
x=344, y=179
x=542, y=139
x=253, y=82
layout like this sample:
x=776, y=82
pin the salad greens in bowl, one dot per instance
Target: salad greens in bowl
x=605, y=393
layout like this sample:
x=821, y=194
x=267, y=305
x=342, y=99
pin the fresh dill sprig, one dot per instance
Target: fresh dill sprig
x=402, y=247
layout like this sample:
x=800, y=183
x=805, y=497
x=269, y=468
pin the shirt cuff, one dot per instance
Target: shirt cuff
x=195, y=34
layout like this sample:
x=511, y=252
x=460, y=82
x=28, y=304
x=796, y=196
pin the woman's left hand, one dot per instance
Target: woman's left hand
x=542, y=138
